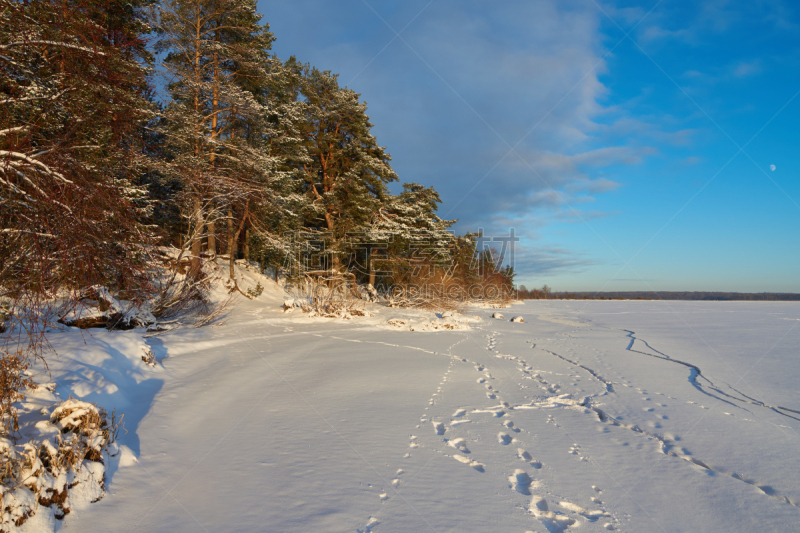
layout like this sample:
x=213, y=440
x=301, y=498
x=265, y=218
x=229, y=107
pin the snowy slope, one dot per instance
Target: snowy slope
x=588, y=416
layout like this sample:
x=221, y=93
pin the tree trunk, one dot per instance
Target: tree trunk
x=371, y=268
x=233, y=237
x=231, y=242
x=212, y=239
x=246, y=245
x=197, y=238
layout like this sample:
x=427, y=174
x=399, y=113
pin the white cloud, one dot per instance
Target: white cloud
x=747, y=69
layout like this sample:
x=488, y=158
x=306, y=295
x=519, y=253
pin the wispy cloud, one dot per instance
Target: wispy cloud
x=532, y=262
x=691, y=161
x=747, y=69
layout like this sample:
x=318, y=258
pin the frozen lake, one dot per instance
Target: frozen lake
x=590, y=416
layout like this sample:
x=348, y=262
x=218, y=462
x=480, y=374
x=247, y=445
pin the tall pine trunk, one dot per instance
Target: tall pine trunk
x=212, y=239
x=231, y=240
x=371, y=267
x=197, y=238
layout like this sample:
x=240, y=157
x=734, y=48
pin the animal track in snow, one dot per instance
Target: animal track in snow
x=438, y=427
x=576, y=450
x=504, y=438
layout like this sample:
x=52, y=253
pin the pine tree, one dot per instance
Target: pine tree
x=276, y=223
x=347, y=174
x=414, y=232
x=217, y=61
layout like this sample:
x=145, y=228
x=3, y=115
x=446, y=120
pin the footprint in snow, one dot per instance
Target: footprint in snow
x=521, y=481
x=459, y=444
x=503, y=438
x=467, y=461
x=370, y=524
x=554, y=523
x=459, y=413
x=438, y=427
x=591, y=516
x=525, y=456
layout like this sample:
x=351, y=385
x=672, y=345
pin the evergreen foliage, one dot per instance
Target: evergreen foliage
x=241, y=153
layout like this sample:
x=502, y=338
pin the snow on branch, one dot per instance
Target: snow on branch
x=52, y=43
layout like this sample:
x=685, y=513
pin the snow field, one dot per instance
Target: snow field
x=567, y=421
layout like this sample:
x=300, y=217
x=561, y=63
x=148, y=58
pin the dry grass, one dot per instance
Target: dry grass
x=330, y=295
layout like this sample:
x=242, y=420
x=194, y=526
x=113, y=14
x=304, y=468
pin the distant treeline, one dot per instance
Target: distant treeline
x=546, y=293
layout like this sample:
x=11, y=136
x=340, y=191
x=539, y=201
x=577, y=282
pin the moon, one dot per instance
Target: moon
x=772, y=168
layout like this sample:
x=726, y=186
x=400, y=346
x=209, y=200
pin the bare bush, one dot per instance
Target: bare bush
x=40, y=474
x=13, y=381
x=327, y=294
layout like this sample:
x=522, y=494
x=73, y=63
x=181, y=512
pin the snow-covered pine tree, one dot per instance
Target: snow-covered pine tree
x=217, y=61
x=73, y=74
x=348, y=171
x=276, y=224
x=414, y=232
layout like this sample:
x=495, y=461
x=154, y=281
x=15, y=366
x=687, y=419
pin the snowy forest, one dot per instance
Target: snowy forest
x=129, y=124
x=132, y=127
x=141, y=141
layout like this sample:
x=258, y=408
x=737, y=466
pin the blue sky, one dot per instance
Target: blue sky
x=628, y=144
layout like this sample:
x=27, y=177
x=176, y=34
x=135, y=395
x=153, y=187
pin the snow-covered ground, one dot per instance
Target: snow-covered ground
x=589, y=416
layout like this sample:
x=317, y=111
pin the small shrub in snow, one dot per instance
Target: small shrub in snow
x=255, y=292
x=13, y=380
x=41, y=474
x=328, y=295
